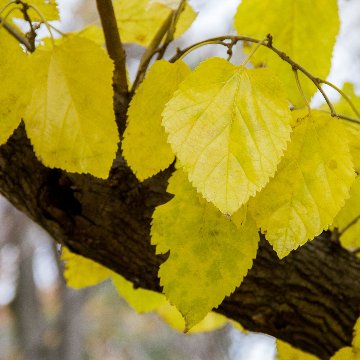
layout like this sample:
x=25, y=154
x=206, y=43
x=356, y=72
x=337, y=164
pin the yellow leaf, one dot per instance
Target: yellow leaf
x=47, y=8
x=81, y=272
x=290, y=23
x=209, y=255
x=144, y=145
x=14, y=89
x=351, y=211
x=70, y=119
x=286, y=352
x=347, y=353
x=139, y=20
x=310, y=186
x=140, y=299
x=171, y=315
x=228, y=126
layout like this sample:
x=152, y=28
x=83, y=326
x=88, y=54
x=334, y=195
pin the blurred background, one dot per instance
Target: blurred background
x=41, y=318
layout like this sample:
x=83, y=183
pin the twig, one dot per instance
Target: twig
x=117, y=53
x=171, y=32
x=22, y=39
x=231, y=40
x=150, y=52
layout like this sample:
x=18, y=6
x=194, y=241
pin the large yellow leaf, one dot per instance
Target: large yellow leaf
x=81, y=272
x=305, y=30
x=14, y=89
x=70, y=119
x=310, y=186
x=47, y=8
x=351, y=211
x=139, y=20
x=144, y=146
x=209, y=254
x=229, y=126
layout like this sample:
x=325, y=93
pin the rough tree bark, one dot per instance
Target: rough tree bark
x=310, y=299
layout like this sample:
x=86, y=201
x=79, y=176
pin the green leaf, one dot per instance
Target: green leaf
x=144, y=146
x=14, y=89
x=70, y=119
x=209, y=254
x=351, y=211
x=310, y=186
x=139, y=20
x=305, y=30
x=228, y=126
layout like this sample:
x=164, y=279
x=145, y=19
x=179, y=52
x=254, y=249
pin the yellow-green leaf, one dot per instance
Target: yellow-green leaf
x=139, y=20
x=144, y=146
x=47, y=8
x=350, y=212
x=70, y=119
x=81, y=272
x=229, y=126
x=286, y=352
x=14, y=89
x=290, y=23
x=209, y=254
x=310, y=186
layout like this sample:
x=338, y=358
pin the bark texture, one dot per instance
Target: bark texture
x=310, y=299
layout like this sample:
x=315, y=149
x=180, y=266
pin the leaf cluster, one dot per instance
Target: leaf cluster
x=251, y=154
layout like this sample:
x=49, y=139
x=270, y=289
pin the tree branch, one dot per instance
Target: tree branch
x=299, y=299
x=117, y=54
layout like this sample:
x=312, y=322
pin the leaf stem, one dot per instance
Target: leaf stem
x=349, y=225
x=254, y=49
x=354, y=109
x=301, y=90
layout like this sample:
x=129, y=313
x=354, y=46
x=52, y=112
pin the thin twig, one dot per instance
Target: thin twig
x=117, y=53
x=150, y=52
x=224, y=40
x=21, y=38
x=171, y=32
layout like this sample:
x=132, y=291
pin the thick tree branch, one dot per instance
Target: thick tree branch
x=117, y=54
x=310, y=299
